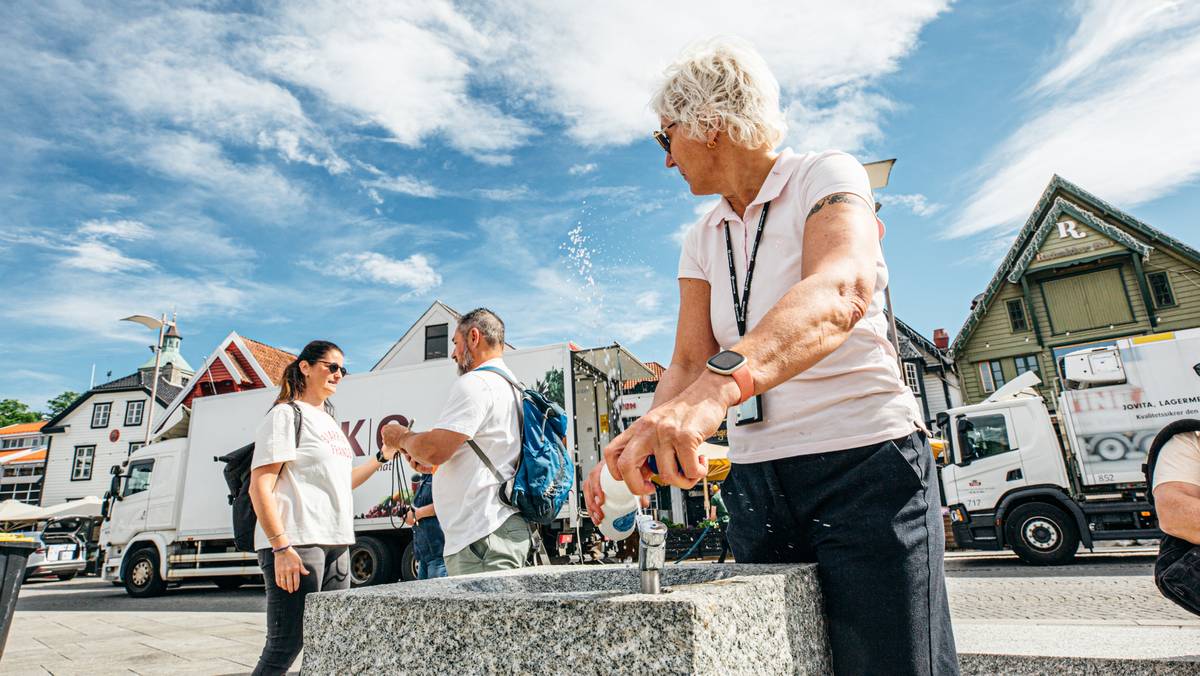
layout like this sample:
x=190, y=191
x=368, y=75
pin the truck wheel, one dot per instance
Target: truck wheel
x=408, y=563
x=370, y=562
x=142, y=577
x=1042, y=534
x=1111, y=448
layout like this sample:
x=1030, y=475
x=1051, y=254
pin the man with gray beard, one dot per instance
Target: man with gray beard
x=476, y=438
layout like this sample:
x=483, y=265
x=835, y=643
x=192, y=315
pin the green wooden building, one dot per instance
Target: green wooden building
x=1080, y=273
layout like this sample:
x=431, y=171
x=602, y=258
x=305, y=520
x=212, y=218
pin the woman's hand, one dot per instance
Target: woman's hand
x=288, y=569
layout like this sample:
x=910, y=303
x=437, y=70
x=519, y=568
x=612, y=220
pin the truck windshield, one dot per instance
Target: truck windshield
x=987, y=436
x=139, y=478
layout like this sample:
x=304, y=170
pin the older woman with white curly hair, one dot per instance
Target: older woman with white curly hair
x=782, y=334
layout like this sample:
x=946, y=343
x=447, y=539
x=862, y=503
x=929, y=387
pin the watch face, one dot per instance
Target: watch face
x=726, y=360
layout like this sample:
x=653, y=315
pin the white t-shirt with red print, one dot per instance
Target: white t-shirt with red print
x=313, y=493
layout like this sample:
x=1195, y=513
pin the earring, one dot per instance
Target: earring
x=711, y=144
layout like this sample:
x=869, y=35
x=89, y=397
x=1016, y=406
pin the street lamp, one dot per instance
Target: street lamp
x=879, y=173
x=160, y=324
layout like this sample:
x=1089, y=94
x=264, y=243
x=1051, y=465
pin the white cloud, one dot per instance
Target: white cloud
x=1105, y=28
x=414, y=272
x=1113, y=121
x=574, y=71
x=100, y=257
x=581, y=169
x=917, y=203
x=848, y=124
x=204, y=164
x=648, y=301
x=403, y=184
x=513, y=194
x=119, y=229
x=405, y=66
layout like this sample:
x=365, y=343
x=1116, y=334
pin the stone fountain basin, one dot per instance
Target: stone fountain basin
x=713, y=619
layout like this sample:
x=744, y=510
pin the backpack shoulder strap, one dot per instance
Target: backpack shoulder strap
x=518, y=395
x=299, y=419
x=1160, y=440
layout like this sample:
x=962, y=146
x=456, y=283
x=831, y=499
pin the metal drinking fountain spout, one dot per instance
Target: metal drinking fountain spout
x=652, y=553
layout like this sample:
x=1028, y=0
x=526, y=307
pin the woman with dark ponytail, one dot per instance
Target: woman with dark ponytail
x=301, y=495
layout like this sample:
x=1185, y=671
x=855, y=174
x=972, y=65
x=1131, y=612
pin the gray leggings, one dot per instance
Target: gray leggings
x=328, y=569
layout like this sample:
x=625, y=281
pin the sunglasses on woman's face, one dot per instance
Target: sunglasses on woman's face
x=334, y=368
x=660, y=135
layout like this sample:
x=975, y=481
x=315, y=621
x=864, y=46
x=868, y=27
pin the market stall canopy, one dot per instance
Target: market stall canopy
x=718, y=462
x=616, y=362
x=13, y=510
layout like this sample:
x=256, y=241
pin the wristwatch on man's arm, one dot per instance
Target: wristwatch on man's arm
x=735, y=365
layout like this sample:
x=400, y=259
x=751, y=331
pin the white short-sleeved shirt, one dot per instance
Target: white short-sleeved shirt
x=1179, y=460
x=313, y=492
x=466, y=494
x=853, y=397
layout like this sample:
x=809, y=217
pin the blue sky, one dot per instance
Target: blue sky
x=298, y=170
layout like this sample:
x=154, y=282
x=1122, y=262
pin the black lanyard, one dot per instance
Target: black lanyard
x=742, y=304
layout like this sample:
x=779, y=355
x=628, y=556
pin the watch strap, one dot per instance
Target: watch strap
x=745, y=382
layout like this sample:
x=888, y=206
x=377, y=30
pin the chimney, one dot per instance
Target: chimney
x=941, y=339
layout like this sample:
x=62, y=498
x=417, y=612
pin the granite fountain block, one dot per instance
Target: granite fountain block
x=713, y=619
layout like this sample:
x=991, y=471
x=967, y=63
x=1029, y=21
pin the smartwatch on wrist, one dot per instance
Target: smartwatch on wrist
x=735, y=365
x=381, y=457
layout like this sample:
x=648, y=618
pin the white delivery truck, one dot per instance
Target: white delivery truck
x=1015, y=477
x=167, y=514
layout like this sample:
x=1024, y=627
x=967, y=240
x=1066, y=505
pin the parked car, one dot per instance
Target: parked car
x=61, y=551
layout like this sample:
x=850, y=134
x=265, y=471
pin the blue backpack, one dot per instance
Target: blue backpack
x=545, y=469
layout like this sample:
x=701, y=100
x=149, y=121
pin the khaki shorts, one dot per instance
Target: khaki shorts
x=505, y=548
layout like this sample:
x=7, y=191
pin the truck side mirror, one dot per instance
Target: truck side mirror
x=942, y=420
x=114, y=487
x=966, y=449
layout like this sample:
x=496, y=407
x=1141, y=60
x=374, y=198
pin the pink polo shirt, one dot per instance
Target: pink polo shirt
x=853, y=397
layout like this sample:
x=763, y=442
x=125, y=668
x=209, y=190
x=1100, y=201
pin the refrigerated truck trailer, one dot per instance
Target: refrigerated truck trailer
x=167, y=513
x=1018, y=478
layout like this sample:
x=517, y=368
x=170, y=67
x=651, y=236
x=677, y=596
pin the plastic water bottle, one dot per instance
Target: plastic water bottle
x=620, y=507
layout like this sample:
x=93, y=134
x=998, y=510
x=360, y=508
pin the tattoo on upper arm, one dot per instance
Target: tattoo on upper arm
x=835, y=198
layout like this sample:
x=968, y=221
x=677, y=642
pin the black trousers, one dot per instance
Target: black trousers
x=871, y=519
x=328, y=569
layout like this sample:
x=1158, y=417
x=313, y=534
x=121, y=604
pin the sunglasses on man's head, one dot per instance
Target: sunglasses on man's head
x=334, y=368
x=660, y=135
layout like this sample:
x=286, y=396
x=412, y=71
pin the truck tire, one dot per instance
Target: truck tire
x=1111, y=447
x=1042, y=534
x=142, y=577
x=371, y=562
x=67, y=577
x=408, y=563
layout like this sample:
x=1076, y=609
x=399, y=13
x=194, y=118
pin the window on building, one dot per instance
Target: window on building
x=29, y=493
x=139, y=478
x=133, y=412
x=991, y=375
x=134, y=445
x=1160, y=289
x=1027, y=362
x=912, y=377
x=81, y=470
x=1016, y=315
x=100, y=414
x=437, y=341
x=986, y=436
